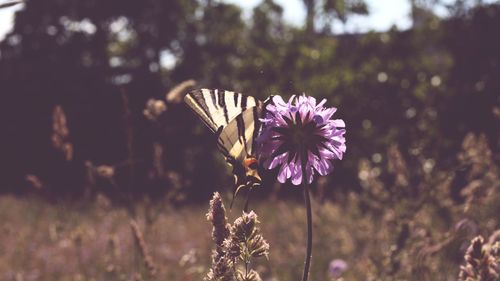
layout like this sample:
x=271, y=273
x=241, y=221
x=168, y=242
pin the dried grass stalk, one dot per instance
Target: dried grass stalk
x=141, y=244
x=176, y=94
x=60, y=133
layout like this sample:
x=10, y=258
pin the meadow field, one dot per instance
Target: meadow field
x=380, y=233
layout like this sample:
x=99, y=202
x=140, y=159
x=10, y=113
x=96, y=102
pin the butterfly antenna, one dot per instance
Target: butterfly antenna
x=232, y=201
x=234, y=195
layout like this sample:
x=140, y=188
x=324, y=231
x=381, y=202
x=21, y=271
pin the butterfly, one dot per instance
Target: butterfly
x=234, y=118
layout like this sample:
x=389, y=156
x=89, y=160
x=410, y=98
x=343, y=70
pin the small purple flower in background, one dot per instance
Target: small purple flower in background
x=300, y=130
x=337, y=267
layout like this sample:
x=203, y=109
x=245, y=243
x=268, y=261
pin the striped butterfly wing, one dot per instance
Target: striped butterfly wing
x=236, y=138
x=217, y=108
x=234, y=117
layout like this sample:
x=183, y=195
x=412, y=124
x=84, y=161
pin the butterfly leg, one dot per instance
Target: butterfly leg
x=245, y=209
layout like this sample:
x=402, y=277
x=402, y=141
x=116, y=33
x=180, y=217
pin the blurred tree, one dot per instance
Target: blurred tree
x=80, y=55
x=325, y=12
x=473, y=96
x=265, y=51
x=212, y=49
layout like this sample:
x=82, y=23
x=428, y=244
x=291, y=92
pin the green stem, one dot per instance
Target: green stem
x=307, y=201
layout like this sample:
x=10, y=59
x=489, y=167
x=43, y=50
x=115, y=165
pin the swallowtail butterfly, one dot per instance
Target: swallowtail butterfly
x=234, y=118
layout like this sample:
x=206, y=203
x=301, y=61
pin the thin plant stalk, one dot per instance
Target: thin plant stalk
x=307, y=201
x=127, y=116
x=245, y=209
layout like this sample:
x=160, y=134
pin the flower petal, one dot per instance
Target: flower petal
x=297, y=178
x=276, y=146
x=338, y=123
x=284, y=173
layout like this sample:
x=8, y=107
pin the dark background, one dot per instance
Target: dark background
x=422, y=89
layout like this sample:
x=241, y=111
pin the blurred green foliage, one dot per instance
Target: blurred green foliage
x=422, y=88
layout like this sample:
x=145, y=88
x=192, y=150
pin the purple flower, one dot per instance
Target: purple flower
x=300, y=128
x=337, y=267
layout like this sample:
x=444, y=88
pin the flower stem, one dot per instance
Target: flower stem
x=307, y=201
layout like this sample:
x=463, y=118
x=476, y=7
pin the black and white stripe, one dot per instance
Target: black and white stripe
x=217, y=108
x=236, y=139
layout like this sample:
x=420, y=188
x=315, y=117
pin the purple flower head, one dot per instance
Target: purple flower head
x=298, y=129
x=337, y=267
